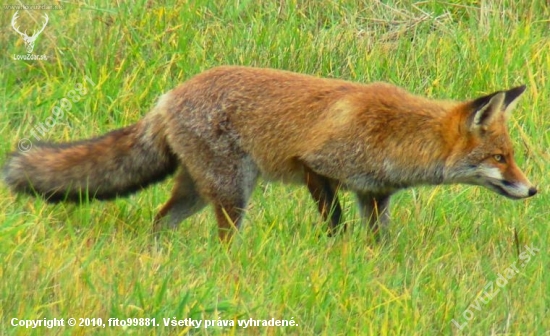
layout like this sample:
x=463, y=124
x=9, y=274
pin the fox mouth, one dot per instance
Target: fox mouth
x=501, y=191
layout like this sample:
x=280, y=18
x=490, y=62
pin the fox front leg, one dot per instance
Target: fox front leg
x=374, y=210
x=324, y=194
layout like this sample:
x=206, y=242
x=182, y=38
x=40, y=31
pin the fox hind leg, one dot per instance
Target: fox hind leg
x=184, y=202
x=374, y=210
x=323, y=192
x=229, y=216
x=229, y=190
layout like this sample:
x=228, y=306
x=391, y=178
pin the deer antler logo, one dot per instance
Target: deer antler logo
x=29, y=40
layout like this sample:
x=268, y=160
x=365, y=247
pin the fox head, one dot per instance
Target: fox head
x=484, y=154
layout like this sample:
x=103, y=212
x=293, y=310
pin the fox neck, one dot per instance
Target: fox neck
x=455, y=141
x=401, y=164
x=427, y=158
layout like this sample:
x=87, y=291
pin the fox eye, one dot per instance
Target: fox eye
x=499, y=158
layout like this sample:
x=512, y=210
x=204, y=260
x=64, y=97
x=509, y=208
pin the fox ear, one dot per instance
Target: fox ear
x=511, y=99
x=487, y=107
x=485, y=110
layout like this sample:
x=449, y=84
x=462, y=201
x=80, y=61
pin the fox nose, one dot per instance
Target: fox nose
x=532, y=191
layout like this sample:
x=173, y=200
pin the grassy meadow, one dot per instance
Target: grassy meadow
x=442, y=271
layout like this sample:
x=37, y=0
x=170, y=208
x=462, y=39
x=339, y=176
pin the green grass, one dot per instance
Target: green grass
x=100, y=260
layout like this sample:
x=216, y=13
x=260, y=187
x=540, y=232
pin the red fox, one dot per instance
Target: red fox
x=226, y=127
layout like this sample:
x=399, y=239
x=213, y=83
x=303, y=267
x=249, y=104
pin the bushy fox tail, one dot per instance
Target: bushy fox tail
x=115, y=164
